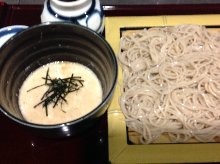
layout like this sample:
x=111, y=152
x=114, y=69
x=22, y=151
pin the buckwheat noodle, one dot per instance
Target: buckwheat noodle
x=171, y=83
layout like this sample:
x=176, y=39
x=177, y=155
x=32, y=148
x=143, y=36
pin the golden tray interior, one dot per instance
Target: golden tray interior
x=120, y=151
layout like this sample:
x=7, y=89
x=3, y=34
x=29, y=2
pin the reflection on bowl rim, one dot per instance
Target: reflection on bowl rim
x=103, y=102
x=10, y=31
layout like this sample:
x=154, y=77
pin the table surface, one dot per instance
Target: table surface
x=124, y=2
x=18, y=145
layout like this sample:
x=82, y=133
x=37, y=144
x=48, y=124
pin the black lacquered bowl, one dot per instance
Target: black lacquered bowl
x=45, y=43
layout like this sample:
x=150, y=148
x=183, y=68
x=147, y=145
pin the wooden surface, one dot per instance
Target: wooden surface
x=30, y=14
x=165, y=9
x=17, y=145
x=2, y=9
x=126, y=2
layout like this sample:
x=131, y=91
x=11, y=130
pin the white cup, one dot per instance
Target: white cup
x=87, y=13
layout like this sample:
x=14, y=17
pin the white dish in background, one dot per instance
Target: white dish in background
x=8, y=31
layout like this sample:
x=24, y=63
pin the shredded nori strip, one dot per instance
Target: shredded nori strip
x=57, y=90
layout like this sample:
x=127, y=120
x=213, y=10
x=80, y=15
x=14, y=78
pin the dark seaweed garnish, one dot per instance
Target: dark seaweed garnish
x=58, y=89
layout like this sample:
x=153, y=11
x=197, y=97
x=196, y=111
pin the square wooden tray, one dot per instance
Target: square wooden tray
x=119, y=149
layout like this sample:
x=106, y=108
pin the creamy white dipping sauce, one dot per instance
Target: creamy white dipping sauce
x=78, y=103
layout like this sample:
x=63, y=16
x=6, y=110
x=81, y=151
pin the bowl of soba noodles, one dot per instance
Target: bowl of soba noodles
x=56, y=79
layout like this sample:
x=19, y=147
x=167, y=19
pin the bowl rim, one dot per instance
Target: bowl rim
x=91, y=113
x=10, y=31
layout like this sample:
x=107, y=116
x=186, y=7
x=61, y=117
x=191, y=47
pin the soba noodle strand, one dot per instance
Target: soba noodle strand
x=171, y=83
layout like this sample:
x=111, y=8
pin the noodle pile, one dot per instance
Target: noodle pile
x=171, y=83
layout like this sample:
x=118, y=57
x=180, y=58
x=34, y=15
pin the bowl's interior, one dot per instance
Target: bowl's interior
x=46, y=43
